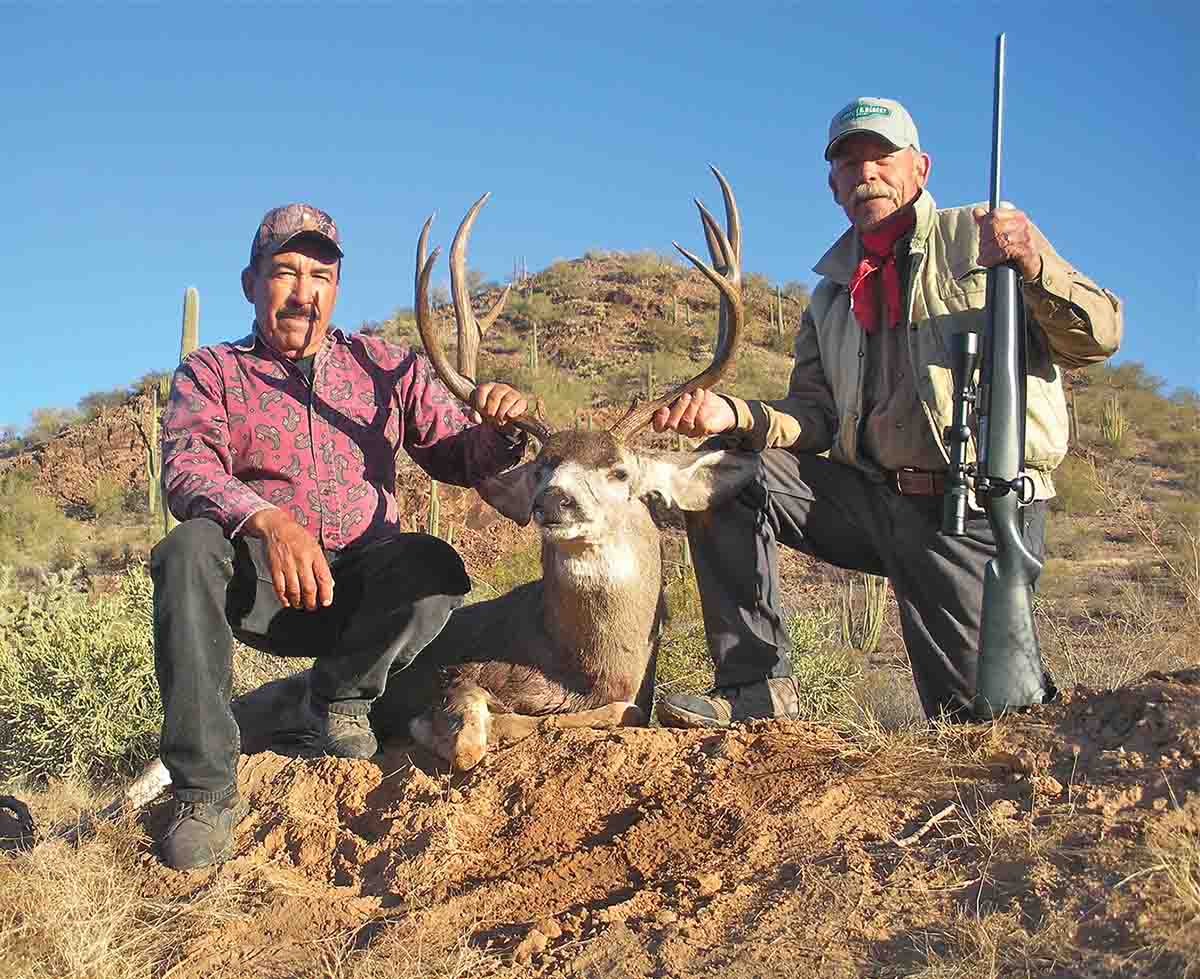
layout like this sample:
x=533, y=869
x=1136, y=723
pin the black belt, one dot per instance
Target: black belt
x=917, y=482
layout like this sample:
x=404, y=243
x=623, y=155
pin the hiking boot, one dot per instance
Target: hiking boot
x=201, y=833
x=777, y=697
x=345, y=735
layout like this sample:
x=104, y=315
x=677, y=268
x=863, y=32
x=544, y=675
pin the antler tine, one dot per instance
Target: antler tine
x=733, y=219
x=461, y=385
x=725, y=249
x=469, y=332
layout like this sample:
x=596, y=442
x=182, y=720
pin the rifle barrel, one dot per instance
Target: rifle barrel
x=997, y=122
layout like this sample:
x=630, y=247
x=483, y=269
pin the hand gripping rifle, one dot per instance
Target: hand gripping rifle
x=1010, y=673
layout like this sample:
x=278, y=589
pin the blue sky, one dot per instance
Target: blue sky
x=141, y=145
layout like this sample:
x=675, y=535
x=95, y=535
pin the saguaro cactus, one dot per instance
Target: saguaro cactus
x=432, y=524
x=189, y=340
x=153, y=454
x=533, y=348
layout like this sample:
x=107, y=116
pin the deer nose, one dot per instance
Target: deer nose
x=553, y=506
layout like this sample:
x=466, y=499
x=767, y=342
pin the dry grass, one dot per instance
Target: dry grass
x=81, y=914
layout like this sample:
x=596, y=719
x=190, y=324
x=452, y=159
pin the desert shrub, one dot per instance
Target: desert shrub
x=91, y=405
x=758, y=376
x=78, y=695
x=536, y=306
x=45, y=423
x=566, y=278
x=1076, y=487
x=668, y=336
x=33, y=531
x=647, y=265
x=825, y=681
x=517, y=567
x=560, y=393
x=109, y=498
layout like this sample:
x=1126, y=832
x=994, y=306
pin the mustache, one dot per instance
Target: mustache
x=308, y=312
x=870, y=190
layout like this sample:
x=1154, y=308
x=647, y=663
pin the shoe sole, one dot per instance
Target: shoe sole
x=676, y=717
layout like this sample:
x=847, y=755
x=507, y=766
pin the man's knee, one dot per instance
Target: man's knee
x=194, y=544
x=428, y=565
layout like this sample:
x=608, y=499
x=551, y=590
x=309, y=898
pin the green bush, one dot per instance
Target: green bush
x=78, y=695
x=33, y=531
x=647, y=265
x=536, y=306
x=109, y=498
x=1077, y=488
x=825, y=681
x=668, y=336
x=569, y=279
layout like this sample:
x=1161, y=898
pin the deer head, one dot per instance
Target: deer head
x=588, y=487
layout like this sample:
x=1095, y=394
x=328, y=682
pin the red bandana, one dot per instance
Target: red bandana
x=878, y=254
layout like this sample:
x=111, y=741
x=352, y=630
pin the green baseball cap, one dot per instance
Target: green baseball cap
x=883, y=117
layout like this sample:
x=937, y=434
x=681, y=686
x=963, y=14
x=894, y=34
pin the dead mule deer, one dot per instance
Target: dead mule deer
x=577, y=648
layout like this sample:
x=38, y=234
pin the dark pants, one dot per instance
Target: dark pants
x=836, y=513
x=391, y=597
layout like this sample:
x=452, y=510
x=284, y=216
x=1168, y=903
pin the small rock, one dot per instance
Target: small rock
x=708, y=884
x=533, y=943
x=549, y=927
x=455, y=796
x=666, y=917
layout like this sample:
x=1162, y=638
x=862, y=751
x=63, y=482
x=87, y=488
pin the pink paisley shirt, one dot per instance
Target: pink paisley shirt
x=244, y=431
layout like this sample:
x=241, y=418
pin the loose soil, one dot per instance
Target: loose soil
x=777, y=849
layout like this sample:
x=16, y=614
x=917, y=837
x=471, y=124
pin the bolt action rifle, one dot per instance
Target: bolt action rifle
x=1010, y=673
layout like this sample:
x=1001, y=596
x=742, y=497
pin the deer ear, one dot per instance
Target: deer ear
x=511, y=492
x=699, y=480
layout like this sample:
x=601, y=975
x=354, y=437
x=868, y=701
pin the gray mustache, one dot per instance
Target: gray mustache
x=868, y=191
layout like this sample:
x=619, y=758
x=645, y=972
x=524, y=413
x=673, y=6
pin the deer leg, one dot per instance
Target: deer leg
x=456, y=732
x=513, y=727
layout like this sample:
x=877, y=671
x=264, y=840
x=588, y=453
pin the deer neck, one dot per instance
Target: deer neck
x=601, y=598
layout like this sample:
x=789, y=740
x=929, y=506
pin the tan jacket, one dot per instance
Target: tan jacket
x=1072, y=322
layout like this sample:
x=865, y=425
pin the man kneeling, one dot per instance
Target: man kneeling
x=279, y=458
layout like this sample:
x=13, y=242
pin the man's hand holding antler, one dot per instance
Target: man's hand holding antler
x=697, y=415
x=498, y=404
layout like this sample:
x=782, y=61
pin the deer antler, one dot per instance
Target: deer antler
x=470, y=331
x=725, y=249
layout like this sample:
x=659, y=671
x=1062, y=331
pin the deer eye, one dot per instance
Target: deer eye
x=620, y=475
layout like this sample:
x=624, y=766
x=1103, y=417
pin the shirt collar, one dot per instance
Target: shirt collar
x=838, y=264
x=252, y=341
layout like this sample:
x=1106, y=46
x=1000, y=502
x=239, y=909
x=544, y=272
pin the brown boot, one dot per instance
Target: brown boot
x=777, y=697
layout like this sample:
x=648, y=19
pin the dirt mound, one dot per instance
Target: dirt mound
x=774, y=849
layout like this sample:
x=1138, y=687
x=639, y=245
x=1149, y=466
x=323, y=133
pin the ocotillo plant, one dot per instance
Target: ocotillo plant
x=189, y=340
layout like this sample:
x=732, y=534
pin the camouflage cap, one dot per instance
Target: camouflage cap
x=281, y=224
x=883, y=117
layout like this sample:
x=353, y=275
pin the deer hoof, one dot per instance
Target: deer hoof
x=626, y=715
x=471, y=740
